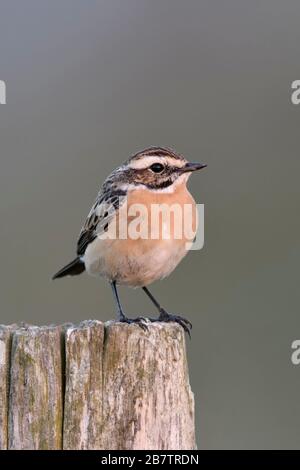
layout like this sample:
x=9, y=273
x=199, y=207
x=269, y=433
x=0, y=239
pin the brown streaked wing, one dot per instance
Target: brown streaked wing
x=99, y=217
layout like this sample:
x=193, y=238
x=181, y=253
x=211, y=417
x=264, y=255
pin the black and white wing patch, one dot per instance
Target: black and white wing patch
x=97, y=222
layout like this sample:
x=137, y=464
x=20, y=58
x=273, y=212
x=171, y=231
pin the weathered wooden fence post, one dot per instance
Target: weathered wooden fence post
x=95, y=386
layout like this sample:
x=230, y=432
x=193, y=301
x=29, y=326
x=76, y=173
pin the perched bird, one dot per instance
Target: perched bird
x=154, y=177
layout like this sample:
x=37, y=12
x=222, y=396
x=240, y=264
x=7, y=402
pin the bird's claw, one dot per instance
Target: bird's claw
x=186, y=324
x=140, y=321
x=168, y=317
x=163, y=317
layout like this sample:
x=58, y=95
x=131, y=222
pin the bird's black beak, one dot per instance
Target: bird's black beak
x=189, y=167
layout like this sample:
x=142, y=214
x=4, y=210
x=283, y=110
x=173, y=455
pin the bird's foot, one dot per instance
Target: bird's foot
x=140, y=321
x=164, y=316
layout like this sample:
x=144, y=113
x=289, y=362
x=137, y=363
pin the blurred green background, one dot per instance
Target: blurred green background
x=89, y=83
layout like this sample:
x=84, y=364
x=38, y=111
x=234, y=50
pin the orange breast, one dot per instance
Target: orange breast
x=153, y=233
x=160, y=215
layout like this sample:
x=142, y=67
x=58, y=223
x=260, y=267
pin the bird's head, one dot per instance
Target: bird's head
x=156, y=168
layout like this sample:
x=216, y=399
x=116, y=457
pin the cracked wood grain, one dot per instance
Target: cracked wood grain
x=5, y=346
x=147, y=400
x=35, y=399
x=83, y=394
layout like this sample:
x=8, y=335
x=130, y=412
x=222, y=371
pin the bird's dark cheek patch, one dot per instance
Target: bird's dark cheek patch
x=160, y=184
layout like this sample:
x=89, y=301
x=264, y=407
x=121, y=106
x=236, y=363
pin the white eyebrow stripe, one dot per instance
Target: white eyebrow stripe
x=146, y=161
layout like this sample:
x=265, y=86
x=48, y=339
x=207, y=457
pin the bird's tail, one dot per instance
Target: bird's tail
x=72, y=269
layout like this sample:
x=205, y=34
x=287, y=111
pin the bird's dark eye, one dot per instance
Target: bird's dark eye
x=157, y=167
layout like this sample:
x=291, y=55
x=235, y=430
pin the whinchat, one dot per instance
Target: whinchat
x=149, y=248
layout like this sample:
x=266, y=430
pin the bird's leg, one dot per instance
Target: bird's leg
x=121, y=316
x=164, y=316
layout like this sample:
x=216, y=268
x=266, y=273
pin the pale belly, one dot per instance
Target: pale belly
x=134, y=263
